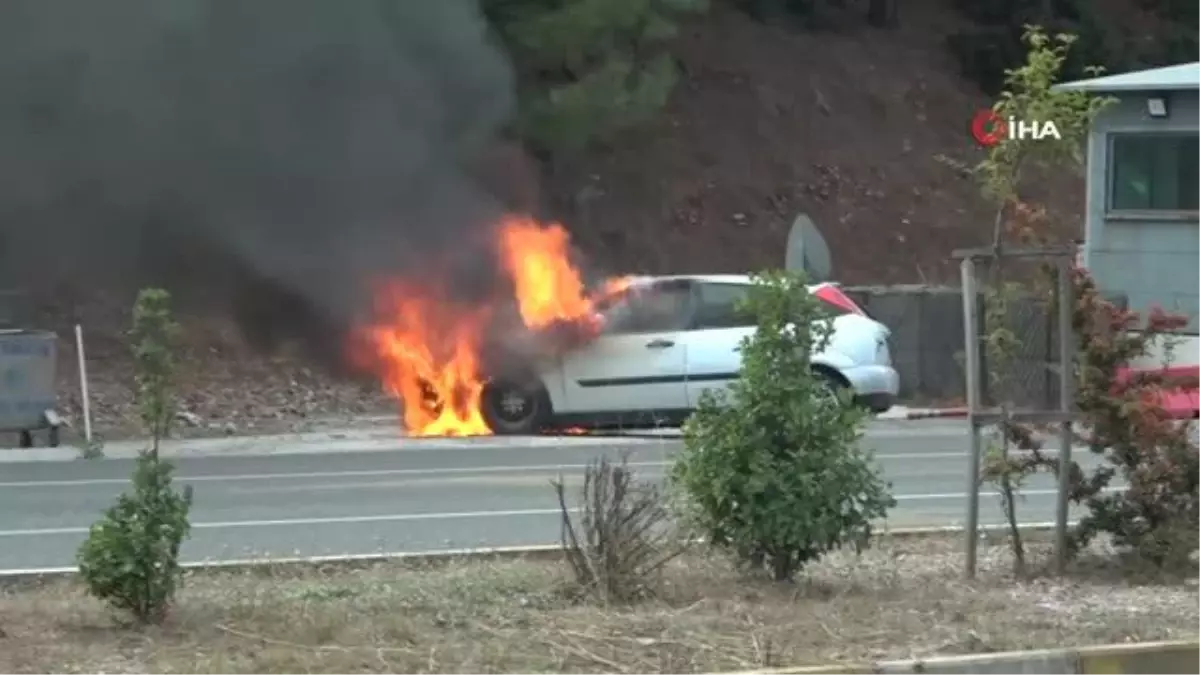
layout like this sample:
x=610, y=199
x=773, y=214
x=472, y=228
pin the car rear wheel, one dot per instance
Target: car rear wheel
x=832, y=384
x=514, y=407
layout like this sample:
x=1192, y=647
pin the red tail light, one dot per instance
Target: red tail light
x=839, y=301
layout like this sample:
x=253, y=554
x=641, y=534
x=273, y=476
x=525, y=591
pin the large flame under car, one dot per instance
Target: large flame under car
x=429, y=348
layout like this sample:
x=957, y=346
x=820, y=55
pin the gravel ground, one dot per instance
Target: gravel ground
x=906, y=598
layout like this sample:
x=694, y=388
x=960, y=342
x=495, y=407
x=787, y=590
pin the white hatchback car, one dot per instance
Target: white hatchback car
x=666, y=340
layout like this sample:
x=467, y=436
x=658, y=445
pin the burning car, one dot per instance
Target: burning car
x=556, y=352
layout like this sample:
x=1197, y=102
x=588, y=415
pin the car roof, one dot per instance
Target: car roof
x=710, y=278
x=705, y=278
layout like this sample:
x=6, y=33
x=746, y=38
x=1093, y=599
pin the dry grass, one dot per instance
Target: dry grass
x=903, y=599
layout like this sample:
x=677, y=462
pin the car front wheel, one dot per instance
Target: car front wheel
x=513, y=407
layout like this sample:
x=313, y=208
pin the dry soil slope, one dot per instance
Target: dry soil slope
x=866, y=130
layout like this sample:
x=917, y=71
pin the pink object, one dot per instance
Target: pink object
x=1182, y=402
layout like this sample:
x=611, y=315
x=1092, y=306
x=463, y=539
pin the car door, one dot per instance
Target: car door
x=714, y=335
x=639, y=363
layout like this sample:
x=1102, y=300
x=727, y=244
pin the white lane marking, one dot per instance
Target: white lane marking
x=364, y=473
x=334, y=520
x=325, y=474
x=405, y=517
x=983, y=492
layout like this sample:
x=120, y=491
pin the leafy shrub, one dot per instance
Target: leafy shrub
x=1158, y=516
x=775, y=472
x=623, y=537
x=1123, y=420
x=131, y=556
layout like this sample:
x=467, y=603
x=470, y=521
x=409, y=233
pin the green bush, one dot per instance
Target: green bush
x=130, y=558
x=775, y=472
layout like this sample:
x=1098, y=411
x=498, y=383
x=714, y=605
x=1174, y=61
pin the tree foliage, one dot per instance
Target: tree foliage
x=1028, y=96
x=994, y=44
x=819, y=13
x=775, y=472
x=591, y=69
x=153, y=336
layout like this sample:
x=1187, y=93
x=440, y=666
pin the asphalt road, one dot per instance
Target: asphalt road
x=425, y=496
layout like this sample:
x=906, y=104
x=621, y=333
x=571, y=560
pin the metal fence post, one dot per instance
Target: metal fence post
x=971, y=345
x=1066, y=405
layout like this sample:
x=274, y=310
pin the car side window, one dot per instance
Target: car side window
x=656, y=309
x=719, y=307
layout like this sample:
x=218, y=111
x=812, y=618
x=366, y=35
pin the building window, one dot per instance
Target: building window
x=1154, y=172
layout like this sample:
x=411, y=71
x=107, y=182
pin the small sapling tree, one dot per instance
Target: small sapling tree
x=1029, y=95
x=130, y=558
x=153, y=336
x=775, y=472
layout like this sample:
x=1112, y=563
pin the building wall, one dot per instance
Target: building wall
x=1151, y=260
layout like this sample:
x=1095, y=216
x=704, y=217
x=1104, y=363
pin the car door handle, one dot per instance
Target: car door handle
x=660, y=344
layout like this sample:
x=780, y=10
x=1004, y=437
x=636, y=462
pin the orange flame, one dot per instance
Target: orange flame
x=548, y=288
x=428, y=355
x=428, y=350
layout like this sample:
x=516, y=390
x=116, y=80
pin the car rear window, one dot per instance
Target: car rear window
x=720, y=306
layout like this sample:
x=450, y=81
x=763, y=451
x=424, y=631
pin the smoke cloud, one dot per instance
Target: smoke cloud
x=301, y=144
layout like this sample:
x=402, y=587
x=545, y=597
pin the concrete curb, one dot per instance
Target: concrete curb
x=418, y=558
x=322, y=442
x=1148, y=657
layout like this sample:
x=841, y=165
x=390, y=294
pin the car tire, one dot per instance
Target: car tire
x=831, y=382
x=514, y=407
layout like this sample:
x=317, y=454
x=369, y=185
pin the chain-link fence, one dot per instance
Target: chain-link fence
x=1018, y=317
x=1018, y=333
x=926, y=342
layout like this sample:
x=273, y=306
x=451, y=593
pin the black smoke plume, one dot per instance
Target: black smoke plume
x=270, y=153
